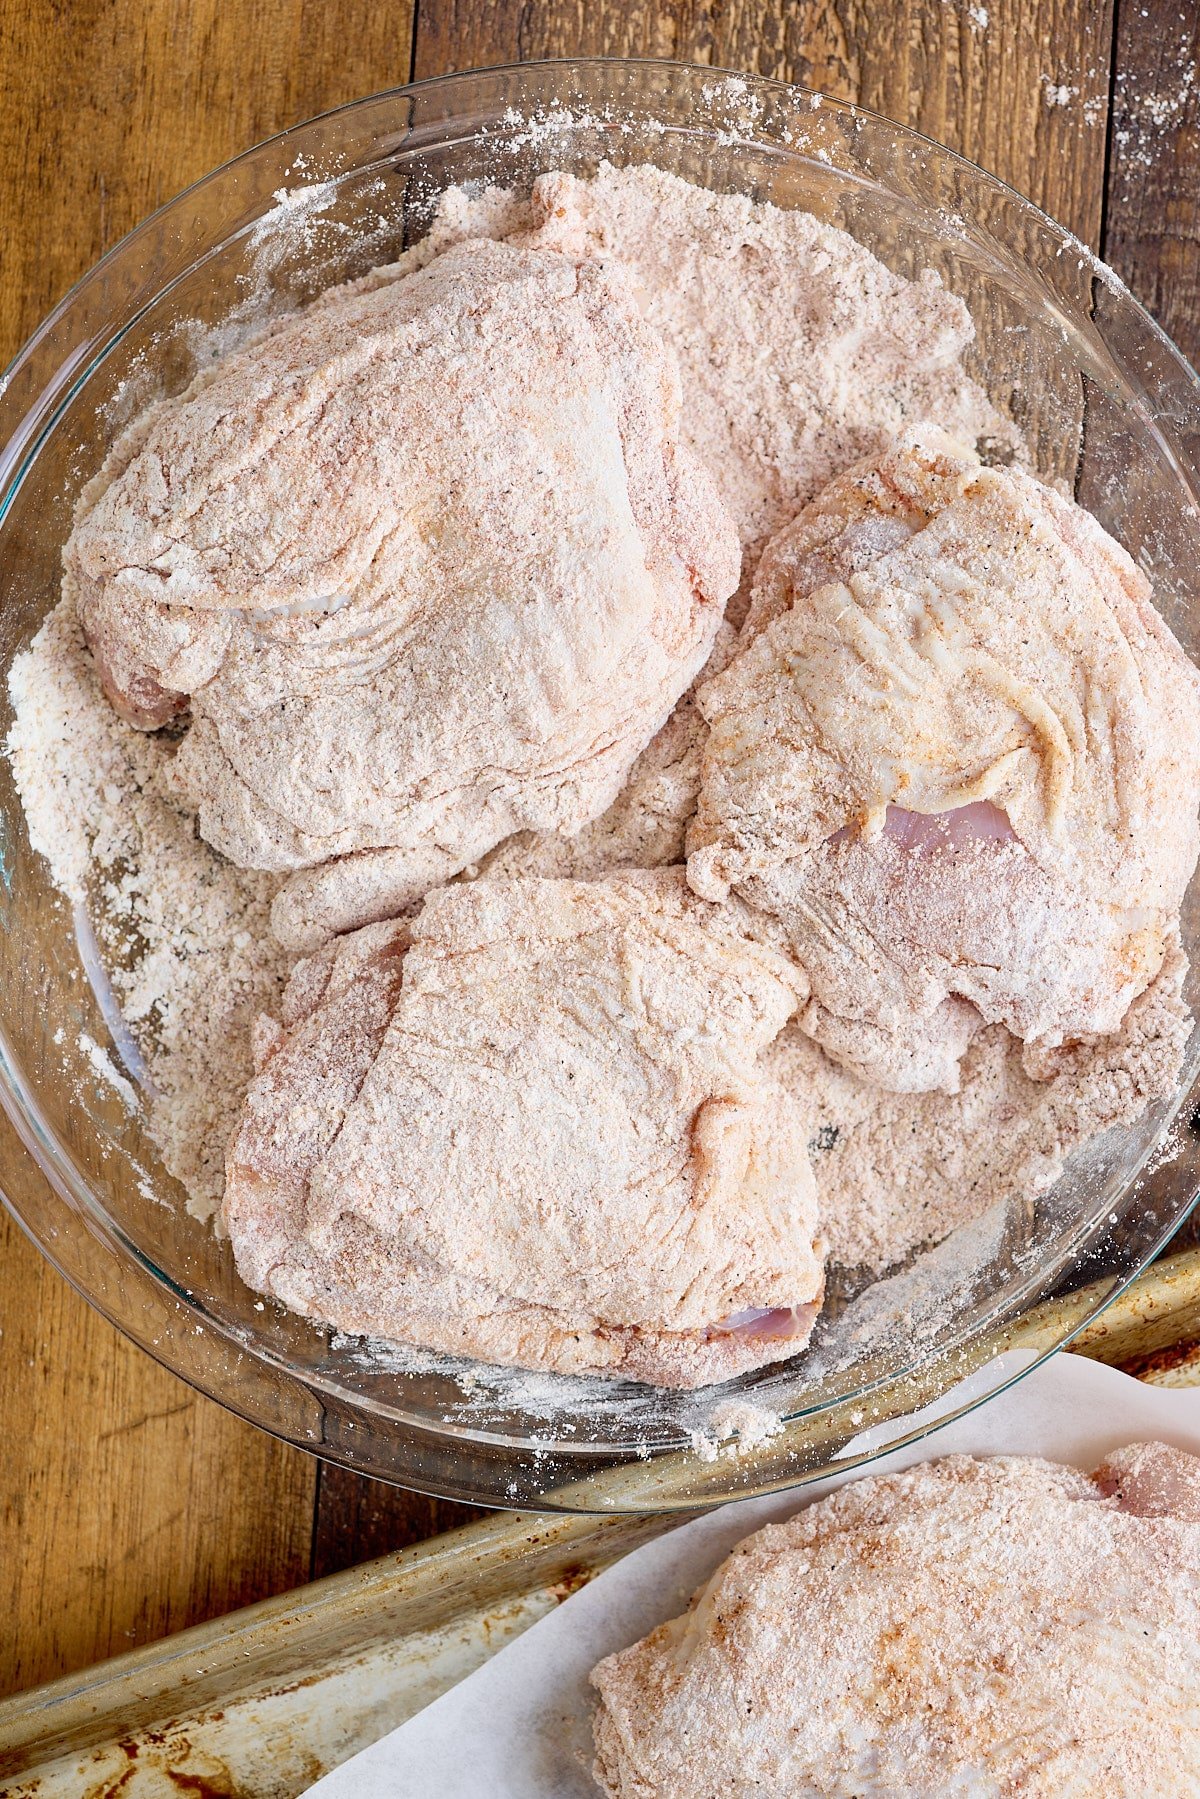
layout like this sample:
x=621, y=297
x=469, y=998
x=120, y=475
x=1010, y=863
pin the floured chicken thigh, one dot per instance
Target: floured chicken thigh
x=429, y=564
x=1002, y=1627
x=962, y=769
x=873, y=507
x=530, y=1126
x=646, y=825
x=876, y=505
x=800, y=351
x=898, y=1172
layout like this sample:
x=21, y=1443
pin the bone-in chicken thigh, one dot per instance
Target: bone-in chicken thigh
x=427, y=564
x=963, y=770
x=530, y=1126
x=1004, y=1627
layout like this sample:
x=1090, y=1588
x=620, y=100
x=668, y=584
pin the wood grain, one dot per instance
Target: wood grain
x=112, y=106
x=358, y=1519
x=1152, y=217
x=129, y=1506
x=1020, y=86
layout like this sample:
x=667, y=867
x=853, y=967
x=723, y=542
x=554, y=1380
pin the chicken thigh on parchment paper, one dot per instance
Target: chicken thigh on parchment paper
x=996, y=1627
x=429, y=564
x=531, y=1126
x=958, y=759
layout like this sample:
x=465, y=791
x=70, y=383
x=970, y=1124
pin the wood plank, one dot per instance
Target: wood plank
x=110, y=108
x=1020, y=86
x=1152, y=203
x=129, y=1506
x=358, y=1519
x=1152, y=216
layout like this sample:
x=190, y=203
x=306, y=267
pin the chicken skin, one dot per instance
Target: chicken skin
x=897, y=1172
x=962, y=769
x=530, y=1125
x=427, y=564
x=646, y=825
x=998, y=1627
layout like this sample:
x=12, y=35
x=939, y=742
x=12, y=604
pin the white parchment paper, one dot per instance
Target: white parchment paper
x=520, y=1727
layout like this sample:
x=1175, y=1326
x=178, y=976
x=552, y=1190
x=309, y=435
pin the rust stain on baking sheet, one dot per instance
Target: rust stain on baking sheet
x=112, y=1784
x=292, y=1686
x=1165, y=1361
x=166, y=1769
x=109, y=1787
x=201, y=1786
x=573, y=1576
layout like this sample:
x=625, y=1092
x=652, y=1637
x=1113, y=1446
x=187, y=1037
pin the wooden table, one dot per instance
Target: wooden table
x=129, y=1506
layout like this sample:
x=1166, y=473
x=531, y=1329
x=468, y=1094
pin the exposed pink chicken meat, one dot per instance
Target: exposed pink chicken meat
x=916, y=832
x=1006, y=1627
x=429, y=565
x=530, y=1126
x=964, y=773
x=788, y=1323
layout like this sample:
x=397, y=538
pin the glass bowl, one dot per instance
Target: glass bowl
x=1108, y=406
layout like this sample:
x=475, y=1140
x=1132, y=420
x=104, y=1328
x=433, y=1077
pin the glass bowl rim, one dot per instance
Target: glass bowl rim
x=18, y=1093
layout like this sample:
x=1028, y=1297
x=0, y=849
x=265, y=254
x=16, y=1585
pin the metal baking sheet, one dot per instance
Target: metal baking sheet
x=259, y=1704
